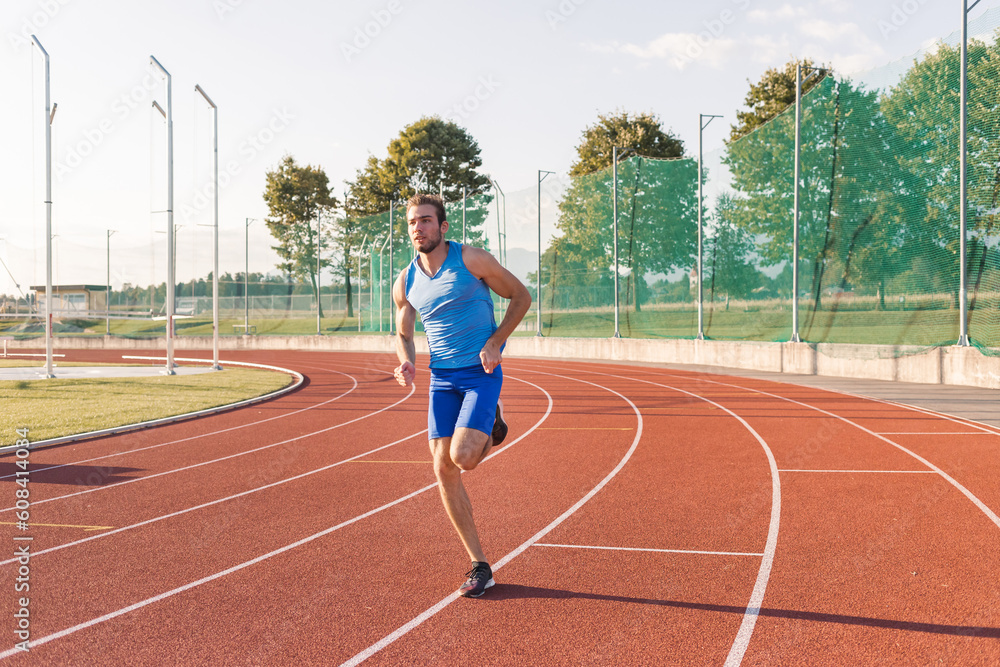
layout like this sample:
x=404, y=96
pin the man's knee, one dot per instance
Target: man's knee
x=468, y=447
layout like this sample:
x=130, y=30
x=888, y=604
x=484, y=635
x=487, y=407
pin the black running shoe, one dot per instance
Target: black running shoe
x=480, y=577
x=499, y=429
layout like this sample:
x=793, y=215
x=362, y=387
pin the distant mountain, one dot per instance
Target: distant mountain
x=521, y=262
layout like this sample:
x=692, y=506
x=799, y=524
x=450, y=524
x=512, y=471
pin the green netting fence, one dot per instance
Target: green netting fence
x=878, y=231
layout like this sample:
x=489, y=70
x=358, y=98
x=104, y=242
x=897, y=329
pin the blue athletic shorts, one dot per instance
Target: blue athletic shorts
x=465, y=397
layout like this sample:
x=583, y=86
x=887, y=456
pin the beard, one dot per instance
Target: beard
x=429, y=244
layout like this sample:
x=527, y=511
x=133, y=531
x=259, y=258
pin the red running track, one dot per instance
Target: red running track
x=637, y=516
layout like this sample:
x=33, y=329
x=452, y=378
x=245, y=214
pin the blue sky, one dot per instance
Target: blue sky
x=333, y=82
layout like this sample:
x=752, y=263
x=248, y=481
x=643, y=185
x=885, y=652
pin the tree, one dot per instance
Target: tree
x=767, y=98
x=656, y=207
x=642, y=132
x=431, y=155
x=924, y=110
x=852, y=192
x=729, y=253
x=297, y=197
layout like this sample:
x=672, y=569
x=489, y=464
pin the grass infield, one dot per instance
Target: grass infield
x=55, y=408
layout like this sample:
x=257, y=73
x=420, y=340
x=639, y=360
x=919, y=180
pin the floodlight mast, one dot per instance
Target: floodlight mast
x=169, y=116
x=542, y=174
x=49, y=115
x=215, y=225
x=702, y=124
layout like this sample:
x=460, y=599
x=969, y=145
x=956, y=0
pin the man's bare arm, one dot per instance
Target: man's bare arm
x=405, y=320
x=485, y=267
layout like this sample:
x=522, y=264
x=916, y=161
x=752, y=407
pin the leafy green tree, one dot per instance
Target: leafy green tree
x=924, y=110
x=431, y=155
x=728, y=262
x=656, y=207
x=853, y=193
x=641, y=132
x=300, y=202
x=767, y=98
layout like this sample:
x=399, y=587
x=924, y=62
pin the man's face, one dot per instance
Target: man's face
x=424, y=229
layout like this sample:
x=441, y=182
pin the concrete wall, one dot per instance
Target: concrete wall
x=946, y=365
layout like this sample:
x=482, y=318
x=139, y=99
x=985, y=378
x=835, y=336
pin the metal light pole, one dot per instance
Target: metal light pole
x=361, y=250
x=614, y=218
x=107, y=294
x=465, y=196
x=169, y=116
x=49, y=115
x=215, y=225
x=381, y=284
x=542, y=174
x=246, y=277
x=392, y=319
x=963, y=286
x=795, y=205
x=701, y=297
x=319, y=292
x=795, y=195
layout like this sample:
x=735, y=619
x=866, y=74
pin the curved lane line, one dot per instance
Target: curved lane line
x=288, y=547
x=990, y=514
x=213, y=502
x=224, y=458
x=204, y=435
x=742, y=640
x=163, y=421
x=415, y=622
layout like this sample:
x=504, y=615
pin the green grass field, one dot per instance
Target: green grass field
x=59, y=407
x=851, y=324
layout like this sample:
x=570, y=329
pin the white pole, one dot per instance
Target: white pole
x=614, y=225
x=215, y=224
x=49, y=113
x=701, y=297
x=107, y=293
x=795, y=206
x=170, y=218
x=963, y=287
x=392, y=278
x=319, y=291
x=538, y=276
x=701, y=312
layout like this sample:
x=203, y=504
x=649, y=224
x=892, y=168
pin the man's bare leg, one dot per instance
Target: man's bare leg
x=464, y=451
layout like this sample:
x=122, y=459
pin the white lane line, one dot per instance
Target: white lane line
x=429, y=613
x=224, y=458
x=659, y=551
x=204, y=580
x=123, y=429
x=938, y=433
x=213, y=502
x=990, y=514
x=204, y=435
x=752, y=611
x=886, y=472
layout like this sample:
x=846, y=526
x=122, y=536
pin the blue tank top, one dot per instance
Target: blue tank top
x=456, y=309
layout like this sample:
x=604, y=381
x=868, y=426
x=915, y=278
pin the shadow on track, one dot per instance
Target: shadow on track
x=503, y=591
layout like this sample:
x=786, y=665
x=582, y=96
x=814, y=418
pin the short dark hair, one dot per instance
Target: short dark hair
x=432, y=200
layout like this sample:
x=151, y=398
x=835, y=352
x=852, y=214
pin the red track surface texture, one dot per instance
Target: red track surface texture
x=638, y=516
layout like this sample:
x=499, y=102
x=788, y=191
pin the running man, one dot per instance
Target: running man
x=449, y=285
